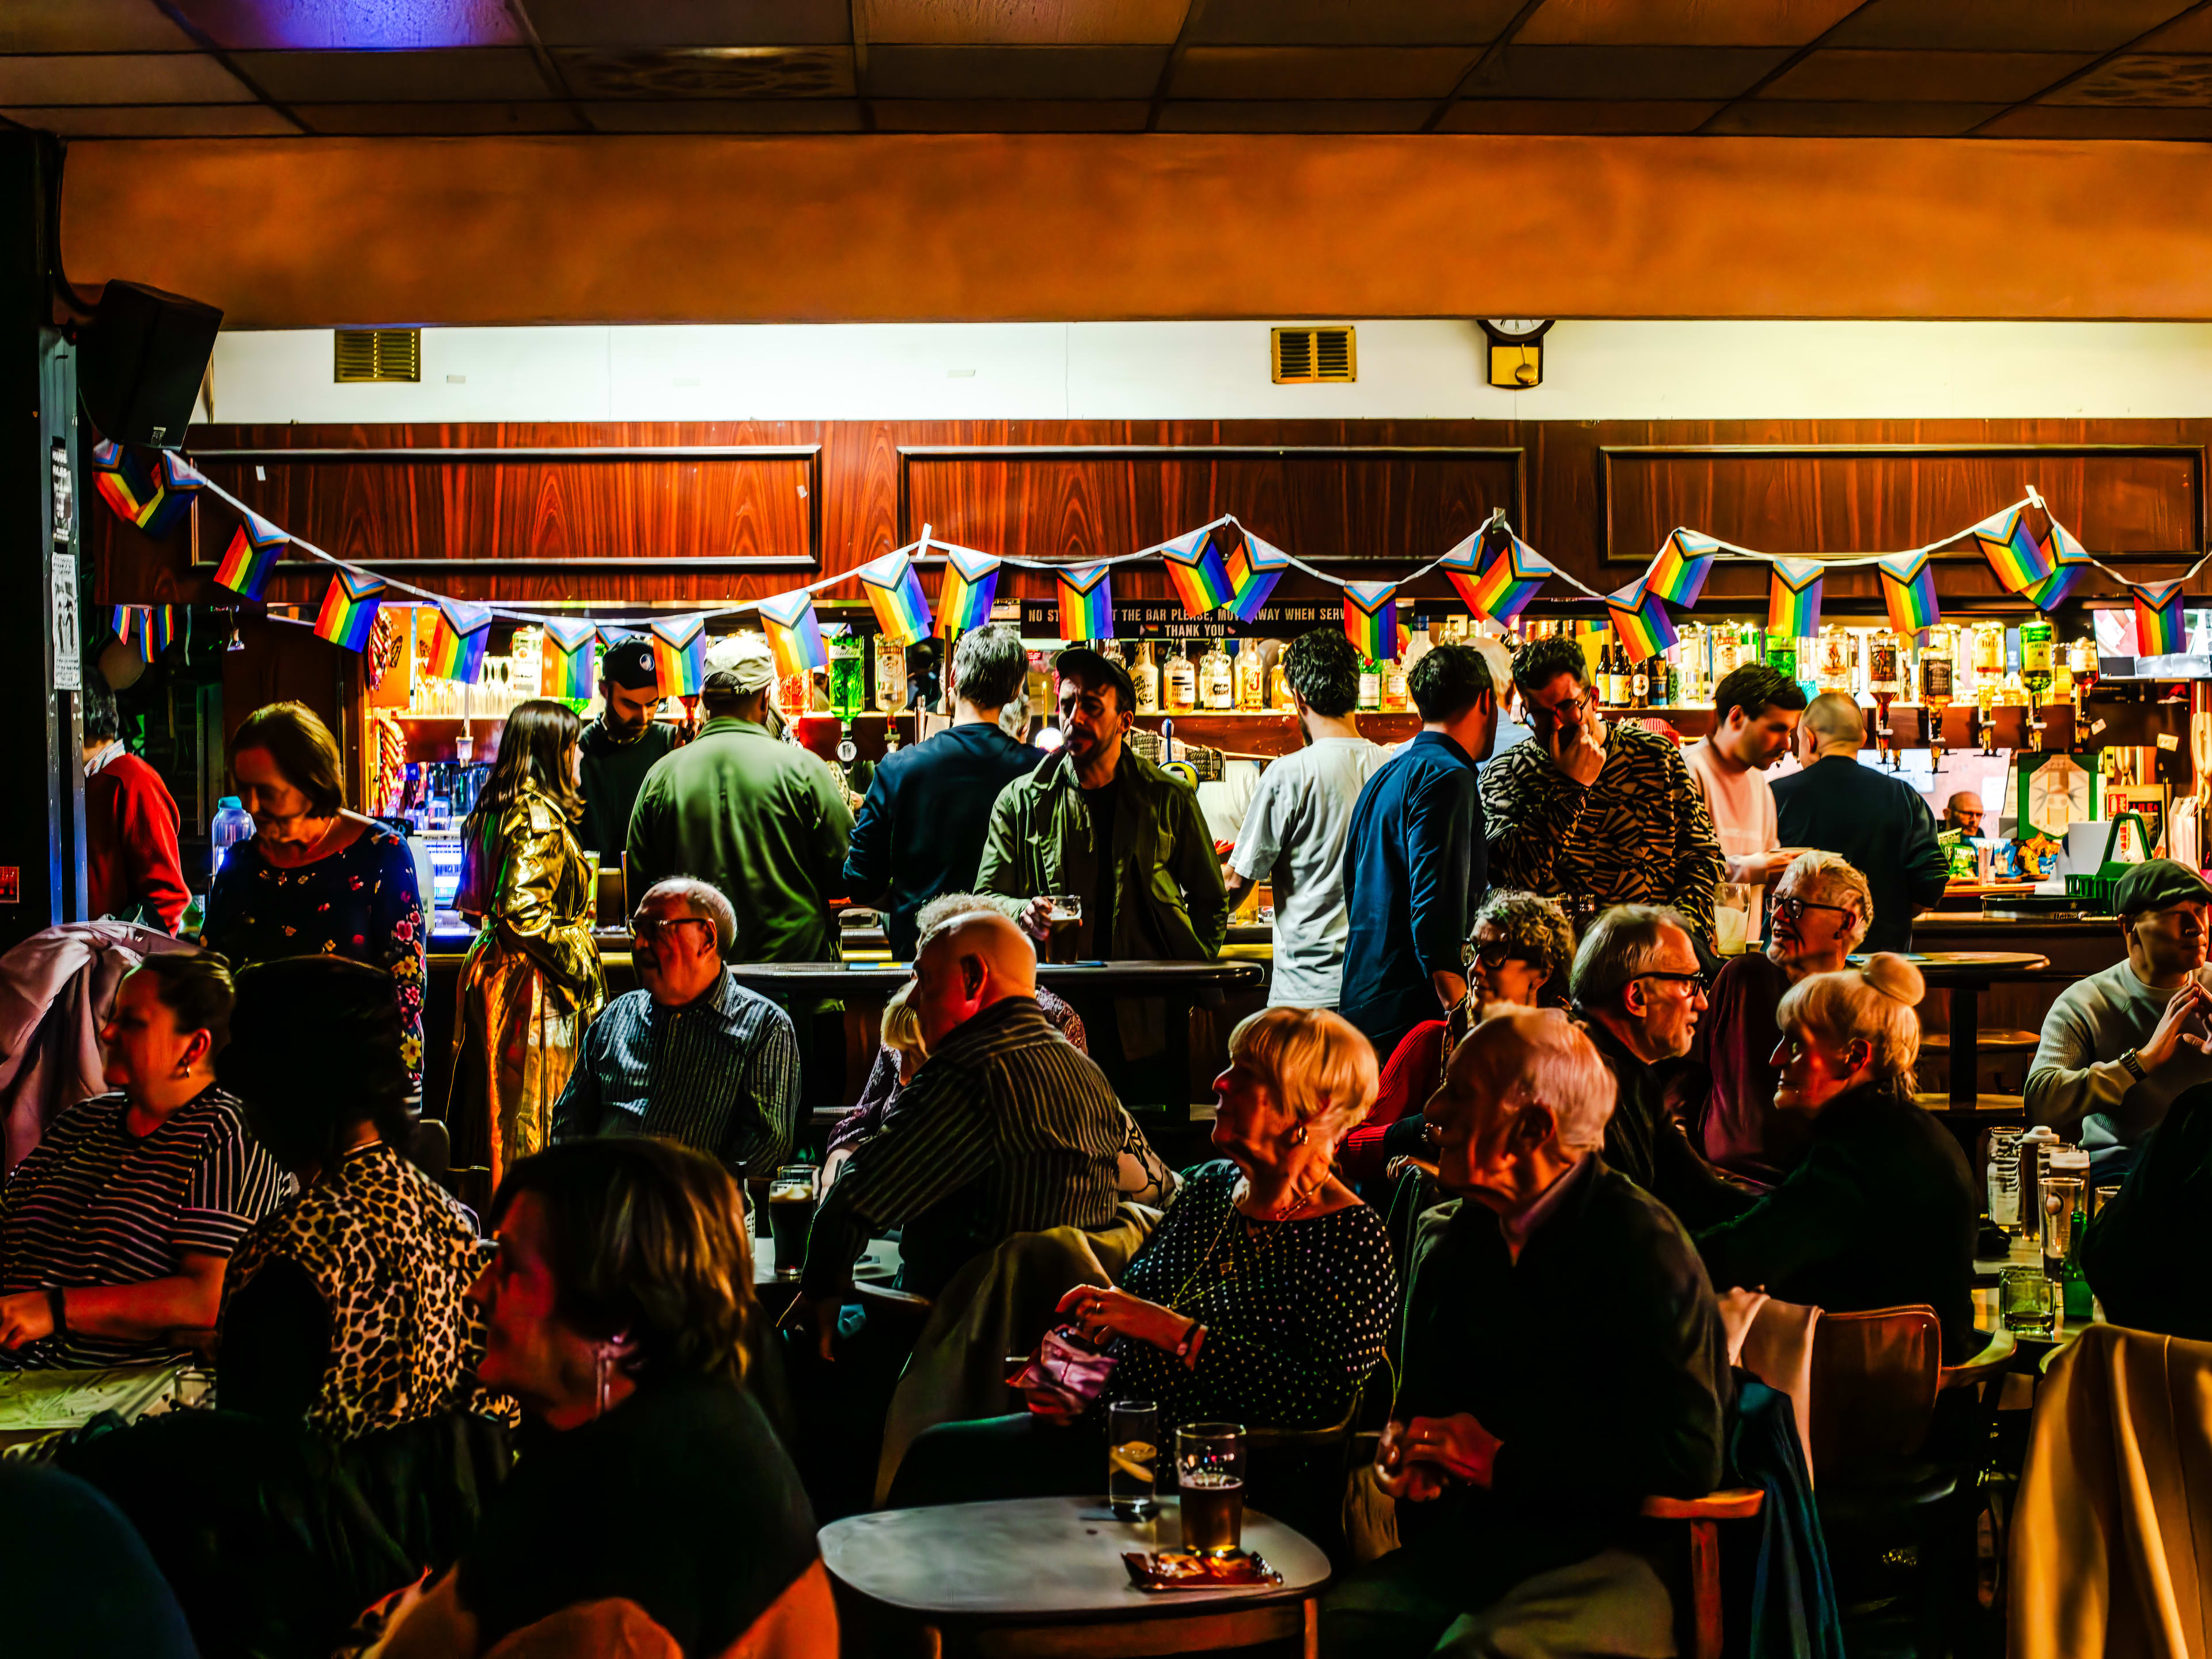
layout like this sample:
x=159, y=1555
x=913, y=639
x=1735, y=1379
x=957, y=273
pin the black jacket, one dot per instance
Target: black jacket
x=1643, y=1143
x=1597, y=1358
x=1877, y=822
x=1881, y=1213
x=2142, y=1250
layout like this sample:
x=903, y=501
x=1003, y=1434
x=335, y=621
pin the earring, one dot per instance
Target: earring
x=1299, y=1139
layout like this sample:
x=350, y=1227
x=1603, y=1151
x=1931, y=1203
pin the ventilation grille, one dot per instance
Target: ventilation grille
x=1308, y=355
x=378, y=354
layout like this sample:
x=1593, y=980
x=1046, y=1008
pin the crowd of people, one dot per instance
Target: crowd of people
x=1480, y=1165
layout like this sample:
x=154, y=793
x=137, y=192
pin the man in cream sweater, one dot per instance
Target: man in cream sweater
x=1755, y=714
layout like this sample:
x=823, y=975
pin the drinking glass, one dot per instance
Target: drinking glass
x=2028, y=1301
x=1210, y=1478
x=791, y=1199
x=1063, y=928
x=2062, y=1198
x=2004, y=1180
x=1132, y=1448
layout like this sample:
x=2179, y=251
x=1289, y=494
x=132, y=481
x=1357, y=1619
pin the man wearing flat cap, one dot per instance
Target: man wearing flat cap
x=2118, y=1046
x=763, y=820
x=620, y=747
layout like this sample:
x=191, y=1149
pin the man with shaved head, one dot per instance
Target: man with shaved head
x=1563, y=1354
x=1876, y=820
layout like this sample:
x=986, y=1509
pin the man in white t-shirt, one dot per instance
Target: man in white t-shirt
x=1755, y=714
x=1294, y=830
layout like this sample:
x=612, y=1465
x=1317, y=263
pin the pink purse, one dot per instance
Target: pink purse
x=1067, y=1365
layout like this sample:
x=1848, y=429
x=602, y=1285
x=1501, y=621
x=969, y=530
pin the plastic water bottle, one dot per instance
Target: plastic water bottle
x=233, y=824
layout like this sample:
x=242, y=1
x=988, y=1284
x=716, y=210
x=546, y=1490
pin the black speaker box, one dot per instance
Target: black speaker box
x=140, y=362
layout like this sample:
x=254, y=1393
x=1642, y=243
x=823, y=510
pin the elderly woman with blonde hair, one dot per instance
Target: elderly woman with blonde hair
x=1882, y=1211
x=1263, y=1297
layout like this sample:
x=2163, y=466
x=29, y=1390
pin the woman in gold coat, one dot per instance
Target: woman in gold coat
x=531, y=983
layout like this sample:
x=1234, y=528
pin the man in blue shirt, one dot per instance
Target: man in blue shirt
x=922, y=829
x=1415, y=862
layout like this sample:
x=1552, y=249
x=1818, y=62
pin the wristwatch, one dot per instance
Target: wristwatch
x=2132, y=1062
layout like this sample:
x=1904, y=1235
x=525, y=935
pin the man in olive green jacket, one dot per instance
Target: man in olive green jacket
x=761, y=819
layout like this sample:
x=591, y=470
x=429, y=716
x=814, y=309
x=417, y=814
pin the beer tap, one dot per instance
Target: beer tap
x=2035, y=727
x=1885, y=735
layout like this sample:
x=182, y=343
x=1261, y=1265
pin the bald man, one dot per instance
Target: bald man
x=1876, y=821
x=1964, y=813
x=1006, y=1128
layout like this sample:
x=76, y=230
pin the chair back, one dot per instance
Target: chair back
x=1874, y=1377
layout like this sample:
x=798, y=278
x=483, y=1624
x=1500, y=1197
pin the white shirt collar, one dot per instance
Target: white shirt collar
x=98, y=763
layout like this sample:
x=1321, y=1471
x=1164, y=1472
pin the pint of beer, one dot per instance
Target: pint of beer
x=1063, y=929
x=791, y=1199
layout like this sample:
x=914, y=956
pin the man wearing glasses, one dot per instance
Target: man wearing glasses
x=1640, y=989
x=693, y=1057
x=1594, y=814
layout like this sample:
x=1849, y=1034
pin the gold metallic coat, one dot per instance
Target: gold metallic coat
x=530, y=985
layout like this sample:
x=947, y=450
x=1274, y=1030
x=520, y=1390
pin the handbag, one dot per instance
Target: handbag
x=1065, y=1364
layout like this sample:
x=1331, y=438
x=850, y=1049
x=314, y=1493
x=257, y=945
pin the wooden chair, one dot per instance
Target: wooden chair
x=1697, y=1614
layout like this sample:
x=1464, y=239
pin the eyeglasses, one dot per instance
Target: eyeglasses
x=1697, y=982
x=1495, y=954
x=1792, y=907
x=1566, y=713
x=648, y=929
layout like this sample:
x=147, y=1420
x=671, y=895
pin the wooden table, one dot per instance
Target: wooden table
x=1043, y=1576
x=1966, y=974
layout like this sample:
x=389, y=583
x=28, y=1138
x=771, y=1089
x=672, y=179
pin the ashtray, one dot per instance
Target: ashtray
x=1192, y=1570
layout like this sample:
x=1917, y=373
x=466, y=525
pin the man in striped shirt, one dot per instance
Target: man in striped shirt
x=1006, y=1128
x=693, y=1057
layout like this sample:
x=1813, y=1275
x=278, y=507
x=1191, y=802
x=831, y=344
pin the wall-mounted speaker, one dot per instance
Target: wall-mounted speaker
x=140, y=362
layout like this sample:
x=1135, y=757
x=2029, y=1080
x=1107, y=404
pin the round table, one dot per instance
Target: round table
x=1966, y=974
x=1043, y=1575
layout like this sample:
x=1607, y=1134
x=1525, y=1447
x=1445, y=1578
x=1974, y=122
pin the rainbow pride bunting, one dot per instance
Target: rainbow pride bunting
x=349, y=607
x=163, y=622
x=2009, y=545
x=1793, y=597
x=457, y=647
x=1640, y=621
x=128, y=623
x=1255, y=566
x=1505, y=583
x=1086, y=602
x=1908, y=587
x=1370, y=618
x=1679, y=570
x=795, y=633
x=964, y=597
x=1198, y=572
x=179, y=483
x=125, y=484
x=2057, y=587
x=252, y=554
x=564, y=657
x=2160, y=628
x=679, y=655
x=2061, y=550
x=894, y=589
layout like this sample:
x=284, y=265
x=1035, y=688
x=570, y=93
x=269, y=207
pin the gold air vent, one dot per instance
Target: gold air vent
x=378, y=354
x=1305, y=355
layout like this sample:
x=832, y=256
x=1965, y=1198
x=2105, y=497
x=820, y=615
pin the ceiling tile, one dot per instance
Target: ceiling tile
x=2168, y=81
x=151, y=77
x=2191, y=33
x=2003, y=77
x=352, y=25
x=1296, y=72
x=1021, y=22
x=708, y=72
x=1779, y=118
x=437, y=120
x=690, y=22
x=1010, y=115
x=1625, y=72
x=89, y=25
x=727, y=115
x=158, y=121
x=2053, y=121
x=1042, y=72
x=467, y=75
x=2003, y=25
x=1576, y=115
x=1681, y=22
x=1350, y=23
x=1321, y=115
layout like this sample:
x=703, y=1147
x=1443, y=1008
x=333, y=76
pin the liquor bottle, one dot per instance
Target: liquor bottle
x=890, y=674
x=1639, y=685
x=1832, y=660
x=1217, y=681
x=1418, y=646
x=1612, y=670
x=2035, y=653
x=1279, y=686
x=1396, y=699
x=1727, y=651
x=1937, y=687
x=1111, y=650
x=1371, y=688
x=1251, y=679
x=1782, y=655
x=1147, y=677
x=1181, y=680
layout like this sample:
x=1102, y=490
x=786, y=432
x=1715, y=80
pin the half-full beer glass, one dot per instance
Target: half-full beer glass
x=1210, y=1480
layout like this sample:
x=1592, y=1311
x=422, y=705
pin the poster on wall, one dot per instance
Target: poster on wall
x=2055, y=791
x=68, y=665
x=2147, y=800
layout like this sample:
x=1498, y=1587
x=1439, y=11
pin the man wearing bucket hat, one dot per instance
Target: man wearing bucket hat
x=2118, y=1046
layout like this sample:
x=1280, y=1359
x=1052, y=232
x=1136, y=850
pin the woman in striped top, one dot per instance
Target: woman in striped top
x=116, y=1231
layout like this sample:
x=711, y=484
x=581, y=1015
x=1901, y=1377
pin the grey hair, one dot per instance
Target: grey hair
x=705, y=900
x=1835, y=873
x=1014, y=716
x=1534, y=926
x=1561, y=1067
x=989, y=665
x=1621, y=946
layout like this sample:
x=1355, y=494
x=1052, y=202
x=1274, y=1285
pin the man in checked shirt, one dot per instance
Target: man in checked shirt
x=1595, y=815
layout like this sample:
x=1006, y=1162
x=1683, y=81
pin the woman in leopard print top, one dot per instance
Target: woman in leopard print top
x=346, y=1306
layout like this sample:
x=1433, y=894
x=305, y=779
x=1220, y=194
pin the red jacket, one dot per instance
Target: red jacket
x=130, y=842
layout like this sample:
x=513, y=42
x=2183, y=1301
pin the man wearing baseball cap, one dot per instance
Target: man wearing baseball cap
x=619, y=748
x=2118, y=1046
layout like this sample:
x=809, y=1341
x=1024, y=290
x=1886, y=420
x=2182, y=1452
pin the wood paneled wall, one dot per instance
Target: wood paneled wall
x=711, y=511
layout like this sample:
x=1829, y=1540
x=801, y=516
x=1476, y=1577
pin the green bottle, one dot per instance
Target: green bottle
x=2077, y=1301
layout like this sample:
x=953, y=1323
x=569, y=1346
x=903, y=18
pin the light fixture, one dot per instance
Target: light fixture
x=1516, y=351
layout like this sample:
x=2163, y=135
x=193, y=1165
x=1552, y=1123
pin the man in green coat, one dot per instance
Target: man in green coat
x=1104, y=825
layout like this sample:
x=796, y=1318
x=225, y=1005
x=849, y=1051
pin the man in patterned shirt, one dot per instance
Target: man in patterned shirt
x=693, y=1057
x=1604, y=815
